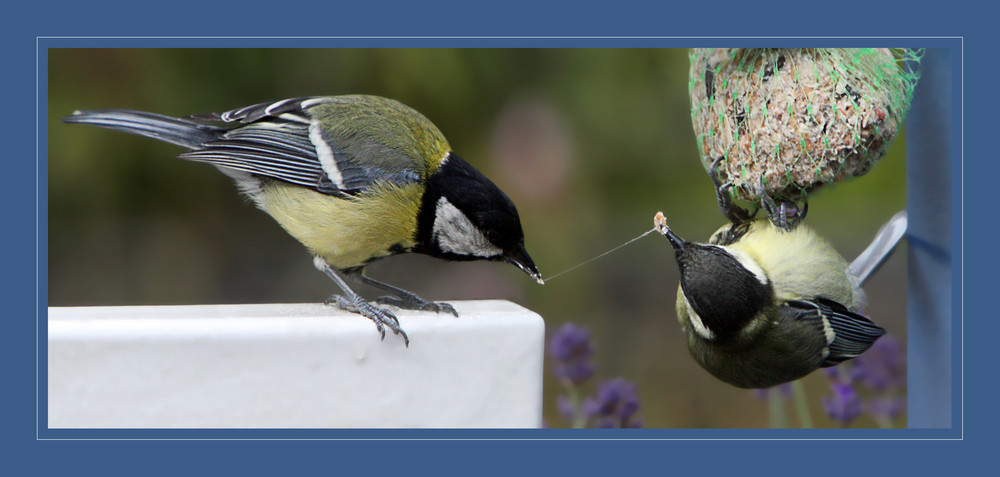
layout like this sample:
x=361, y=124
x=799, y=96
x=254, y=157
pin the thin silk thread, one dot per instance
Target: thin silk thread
x=574, y=267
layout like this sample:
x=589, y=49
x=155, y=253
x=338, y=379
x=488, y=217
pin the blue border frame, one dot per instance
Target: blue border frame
x=45, y=43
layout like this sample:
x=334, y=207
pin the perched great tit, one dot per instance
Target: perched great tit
x=762, y=305
x=355, y=179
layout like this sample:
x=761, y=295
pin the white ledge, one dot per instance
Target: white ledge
x=293, y=366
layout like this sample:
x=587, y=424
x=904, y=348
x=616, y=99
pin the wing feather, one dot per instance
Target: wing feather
x=848, y=334
x=273, y=140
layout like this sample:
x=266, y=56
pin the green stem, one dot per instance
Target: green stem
x=802, y=405
x=579, y=420
x=776, y=409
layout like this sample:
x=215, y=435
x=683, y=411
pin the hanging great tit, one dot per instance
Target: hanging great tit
x=762, y=306
x=355, y=179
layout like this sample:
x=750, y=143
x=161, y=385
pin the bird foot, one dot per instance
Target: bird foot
x=731, y=211
x=784, y=214
x=381, y=317
x=413, y=302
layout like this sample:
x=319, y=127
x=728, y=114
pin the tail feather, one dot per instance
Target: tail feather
x=182, y=132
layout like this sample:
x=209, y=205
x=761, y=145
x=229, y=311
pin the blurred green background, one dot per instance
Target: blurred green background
x=588, y=143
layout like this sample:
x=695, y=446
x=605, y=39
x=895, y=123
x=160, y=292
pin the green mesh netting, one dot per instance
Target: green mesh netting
x=798, y=117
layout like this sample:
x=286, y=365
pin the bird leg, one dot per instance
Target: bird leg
x=784, y=214
x=352, y=302
x=731, y=211
x=404, y=299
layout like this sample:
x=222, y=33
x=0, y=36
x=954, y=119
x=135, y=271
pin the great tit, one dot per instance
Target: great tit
x=354, y=178
x=762, y=305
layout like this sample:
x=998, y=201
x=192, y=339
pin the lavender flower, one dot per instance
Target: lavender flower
x=885, y=408
x=881, y=374
x=845, y=405
x=882, y=366
x=566, y=408
x=615, y=406
x=570, y=347
x=616, y=403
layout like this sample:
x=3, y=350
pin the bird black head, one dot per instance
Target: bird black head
x=724, y=288
x=464, y=216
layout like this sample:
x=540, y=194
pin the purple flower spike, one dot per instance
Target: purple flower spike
x=845, y=405
x=882, y=366
x=832, y=372
x=886, y=407
x=566, y=408
x=570, y=347
x=615, y=406
x=570, y=342
x=605, y=423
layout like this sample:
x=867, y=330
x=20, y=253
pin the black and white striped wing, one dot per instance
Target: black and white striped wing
x=280, y=141
x=847, y=334
x=290, y=109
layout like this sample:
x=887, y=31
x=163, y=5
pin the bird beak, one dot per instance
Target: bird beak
x=660, y=222
x=520, y=258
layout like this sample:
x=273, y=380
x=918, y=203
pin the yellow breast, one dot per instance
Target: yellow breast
x=800, y=263
x=346, y=232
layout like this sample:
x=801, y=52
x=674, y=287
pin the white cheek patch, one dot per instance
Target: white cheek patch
x=750, y=264
x=455, y=233
x=696, y=322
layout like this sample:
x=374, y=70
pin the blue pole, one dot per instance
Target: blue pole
x=929, y=205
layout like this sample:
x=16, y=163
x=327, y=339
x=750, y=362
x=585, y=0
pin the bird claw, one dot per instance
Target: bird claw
x=447, y=308
x=784, y=214
x=413, y=302
x=731, y=211
x=381, y=317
